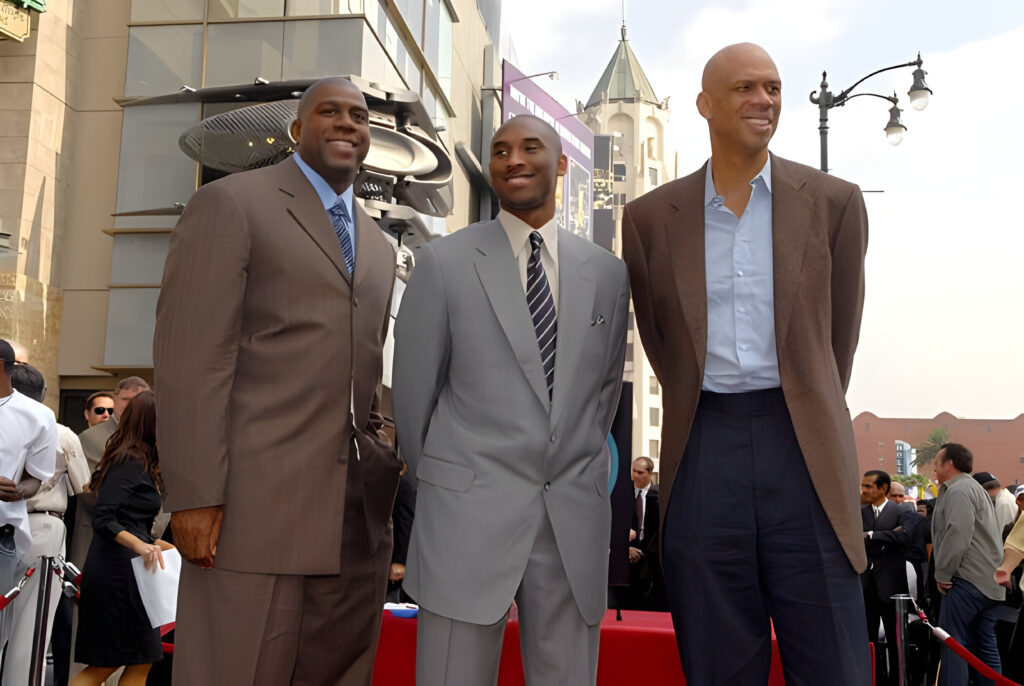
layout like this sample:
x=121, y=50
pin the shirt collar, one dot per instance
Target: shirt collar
x=323, y=189
x=878, y=508
x=519, y=233
x=709, y=183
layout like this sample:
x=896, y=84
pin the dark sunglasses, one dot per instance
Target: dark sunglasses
x=100, y=411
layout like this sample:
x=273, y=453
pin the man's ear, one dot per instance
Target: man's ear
x=295, y=129
x=704, y=105
x=563, y=165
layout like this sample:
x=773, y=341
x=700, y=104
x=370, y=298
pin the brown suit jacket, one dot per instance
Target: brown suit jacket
x=261, y=341
x=819, y=238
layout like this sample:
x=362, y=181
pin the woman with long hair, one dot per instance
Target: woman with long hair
x=113, y=628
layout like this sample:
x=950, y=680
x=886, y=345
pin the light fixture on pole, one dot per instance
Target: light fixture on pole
x=920, y=91
x=895, y=129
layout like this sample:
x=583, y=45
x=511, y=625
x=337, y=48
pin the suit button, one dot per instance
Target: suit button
x=547, y=486
x=355, y=302
x=554, y=438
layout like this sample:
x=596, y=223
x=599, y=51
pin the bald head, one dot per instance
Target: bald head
x=896, y=492
x=718, y=68
x=537, y=126
x=20, y=351
x=741, y=98
x=309, y=95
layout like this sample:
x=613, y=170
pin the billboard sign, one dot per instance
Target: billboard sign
x=575, y=193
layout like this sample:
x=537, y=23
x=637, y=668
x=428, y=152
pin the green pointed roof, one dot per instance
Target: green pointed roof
x=623, y=79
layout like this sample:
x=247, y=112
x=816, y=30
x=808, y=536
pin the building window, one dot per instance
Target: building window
x=161, y=10
x=412, y=14
x=437, y=43
x=314, y=49
x=654, y=385
x=867, y=426
x=238, y=53
x=652, y=176
x=162, y=59
x=652, y=446
x=305, y=8
x=153, y=172
x=618, y=172
x=655, y=416
x=237, y=9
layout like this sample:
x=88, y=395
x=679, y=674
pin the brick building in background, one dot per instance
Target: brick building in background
x=997, y=444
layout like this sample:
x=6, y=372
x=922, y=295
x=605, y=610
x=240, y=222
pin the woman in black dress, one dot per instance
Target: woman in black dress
x=113, y=628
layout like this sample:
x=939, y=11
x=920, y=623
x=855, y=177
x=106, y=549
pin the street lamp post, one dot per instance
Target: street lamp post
x=894, y=130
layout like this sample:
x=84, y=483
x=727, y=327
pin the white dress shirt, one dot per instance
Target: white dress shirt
x=28, y=445
x=643, y=503
x=518, y=233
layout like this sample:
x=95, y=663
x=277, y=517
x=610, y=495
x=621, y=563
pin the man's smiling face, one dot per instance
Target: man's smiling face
x=526, y=161
x=741, y=98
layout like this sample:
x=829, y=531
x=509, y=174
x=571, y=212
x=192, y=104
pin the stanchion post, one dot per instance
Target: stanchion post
x=42, y=616
x=904, y=604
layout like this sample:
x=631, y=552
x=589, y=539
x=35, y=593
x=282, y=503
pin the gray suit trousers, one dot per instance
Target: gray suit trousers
x=558, y=647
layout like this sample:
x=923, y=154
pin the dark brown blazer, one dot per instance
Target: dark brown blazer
x=819, y=238
x=261, y=341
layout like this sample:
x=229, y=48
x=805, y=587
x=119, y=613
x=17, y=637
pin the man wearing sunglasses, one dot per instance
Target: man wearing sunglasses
x=99, y=407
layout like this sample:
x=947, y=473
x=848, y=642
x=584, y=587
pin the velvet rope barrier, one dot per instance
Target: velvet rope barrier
x=964, y=654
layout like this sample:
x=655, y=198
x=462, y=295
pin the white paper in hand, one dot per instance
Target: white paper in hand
x=159, y=589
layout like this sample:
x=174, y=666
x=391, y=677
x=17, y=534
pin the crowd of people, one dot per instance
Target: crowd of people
x=280, y=477
x=117, y=489
x=958, y=556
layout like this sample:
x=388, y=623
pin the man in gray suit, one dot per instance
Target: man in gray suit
x=508, y=365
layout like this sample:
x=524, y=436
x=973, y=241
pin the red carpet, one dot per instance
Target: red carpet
x=640, y=638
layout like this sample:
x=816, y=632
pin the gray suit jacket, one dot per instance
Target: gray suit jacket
x=492, y=455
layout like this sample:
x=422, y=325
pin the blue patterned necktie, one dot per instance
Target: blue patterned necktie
x=340, y=220
x=542, y=309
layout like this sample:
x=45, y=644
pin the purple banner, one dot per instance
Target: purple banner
x=520, y=95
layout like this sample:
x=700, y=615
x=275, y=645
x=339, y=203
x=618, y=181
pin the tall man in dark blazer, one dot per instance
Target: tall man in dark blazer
x=269, y=332
x=508, y=364
x=886, y=540
x=748, y=284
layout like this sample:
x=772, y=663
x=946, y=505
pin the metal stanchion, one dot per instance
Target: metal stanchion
x=904, y=605
x=42, y=617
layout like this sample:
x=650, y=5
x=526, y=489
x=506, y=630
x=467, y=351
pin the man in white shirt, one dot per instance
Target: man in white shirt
x=28, y=444
x=46, y=503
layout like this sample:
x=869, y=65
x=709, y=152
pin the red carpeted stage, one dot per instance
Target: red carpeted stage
x=640, y=638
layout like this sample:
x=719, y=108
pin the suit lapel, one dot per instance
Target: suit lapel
x=365, y=243
x=576, y=292
x=496, y=267
x=684, y=228
x=792, y=219
x=304, y=206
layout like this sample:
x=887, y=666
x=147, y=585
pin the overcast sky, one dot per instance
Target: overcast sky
x=944, y=313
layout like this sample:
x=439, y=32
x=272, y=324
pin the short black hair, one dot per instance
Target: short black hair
x=6, y=356
x=881, y=478
x=28, y=381
x=963, y=459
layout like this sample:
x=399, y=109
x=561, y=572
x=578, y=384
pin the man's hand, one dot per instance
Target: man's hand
x=632, y=535
x=943, y=587
x=634, y=555
x=397, y=572
x=1003, y=577
x=196, y=533
x=9, y=490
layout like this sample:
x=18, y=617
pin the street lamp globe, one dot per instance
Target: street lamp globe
x=895, y=130
x=920, y=91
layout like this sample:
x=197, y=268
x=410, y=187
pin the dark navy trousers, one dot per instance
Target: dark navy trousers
x=746, y=543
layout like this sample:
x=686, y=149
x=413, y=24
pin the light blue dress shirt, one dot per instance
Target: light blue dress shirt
x=741, y=354
x=329, y=198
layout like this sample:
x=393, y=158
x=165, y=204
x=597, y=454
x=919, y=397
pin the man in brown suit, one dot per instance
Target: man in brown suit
x=748, y=283
x=270, y=326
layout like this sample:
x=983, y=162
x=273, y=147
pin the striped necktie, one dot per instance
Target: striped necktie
x=340, y=220
x=542, y=309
